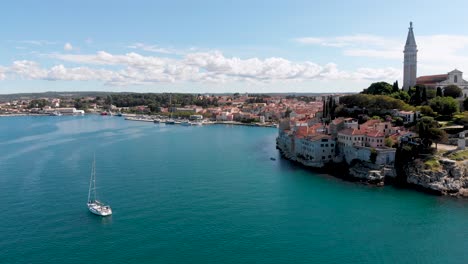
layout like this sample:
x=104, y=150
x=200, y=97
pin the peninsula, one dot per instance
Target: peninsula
x=413, y=136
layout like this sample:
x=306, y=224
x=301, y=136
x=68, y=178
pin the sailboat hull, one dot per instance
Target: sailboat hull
x=99, y=209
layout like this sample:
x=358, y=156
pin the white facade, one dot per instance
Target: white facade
x=407, y=116
x=384, y=156
x=315, y=150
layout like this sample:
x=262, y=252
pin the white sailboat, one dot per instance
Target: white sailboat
x=94, y=205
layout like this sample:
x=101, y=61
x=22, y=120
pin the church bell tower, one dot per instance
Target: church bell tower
x=410, y=61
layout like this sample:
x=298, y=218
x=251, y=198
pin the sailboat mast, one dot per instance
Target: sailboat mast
x=94, y=178
x=91, y=182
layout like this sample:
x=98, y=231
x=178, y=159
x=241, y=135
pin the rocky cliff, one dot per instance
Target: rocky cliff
x=444, y=176
x=370, y=173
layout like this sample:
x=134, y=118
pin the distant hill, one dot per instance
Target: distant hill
x=29, y=96
x=26, y=96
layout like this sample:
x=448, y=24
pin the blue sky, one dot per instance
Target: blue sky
x=221, y=46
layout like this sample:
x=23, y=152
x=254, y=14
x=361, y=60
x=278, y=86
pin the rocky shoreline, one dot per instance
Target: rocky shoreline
x=450, y=178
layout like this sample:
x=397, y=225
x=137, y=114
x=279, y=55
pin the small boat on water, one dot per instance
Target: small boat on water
x=104, y=113
x=272, y=158
x=157, y=121
x=94, y=205
x=55, y=113
x=119, y=114
x=170, y=122
x=186, y=123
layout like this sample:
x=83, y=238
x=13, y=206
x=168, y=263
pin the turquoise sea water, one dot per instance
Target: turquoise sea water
x=201, y=195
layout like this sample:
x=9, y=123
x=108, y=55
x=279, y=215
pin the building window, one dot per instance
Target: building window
x=329, y=156
x=455, y=78
x=323, y=157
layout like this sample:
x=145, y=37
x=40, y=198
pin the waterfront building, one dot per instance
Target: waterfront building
x=64, y=111
x=314, y=150
x=410, y=60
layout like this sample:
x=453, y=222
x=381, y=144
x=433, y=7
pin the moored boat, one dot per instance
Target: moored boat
x=94, y=205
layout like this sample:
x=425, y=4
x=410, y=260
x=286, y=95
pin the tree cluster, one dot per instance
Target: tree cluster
x=155, y=101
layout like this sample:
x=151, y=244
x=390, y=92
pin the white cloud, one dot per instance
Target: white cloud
x=201, y=67
x=68, y=46
x=154, y=48
x=27, y=69
x=436, y=53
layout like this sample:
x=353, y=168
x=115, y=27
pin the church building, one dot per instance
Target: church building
x=454, y=77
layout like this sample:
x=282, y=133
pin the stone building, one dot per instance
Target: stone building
x=454, y=77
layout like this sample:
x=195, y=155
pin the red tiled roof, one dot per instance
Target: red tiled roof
x=352, y=132
x=319, y=136
x=431, y=79
x=370, y=123
x=375, y=133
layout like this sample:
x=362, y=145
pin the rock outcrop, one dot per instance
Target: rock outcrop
x=370, y=173
x=450, y=178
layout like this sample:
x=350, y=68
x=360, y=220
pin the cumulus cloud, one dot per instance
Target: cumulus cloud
x=437, y=53
x=68, y=46
x=202, y=67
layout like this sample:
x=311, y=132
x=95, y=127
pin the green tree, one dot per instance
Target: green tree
x=416, y=96
x=452, y=91
x=382, y=88
x=395, y=87
x=437, y=135
x=389, y=142
x=78, y=104
x=431, y=93
x=439, y=92
x=373, y=102
x=461, y=119
x=402, y=95
x=424, y=95
x=444, y=105
x=465, y=104
x=427, y=111
x=38, y=103
x=430, y=133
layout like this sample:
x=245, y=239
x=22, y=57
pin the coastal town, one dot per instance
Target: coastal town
x=245, y=108
x=377, y=136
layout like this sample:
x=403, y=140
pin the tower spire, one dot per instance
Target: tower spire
x=410, y=41
x=410, y=60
